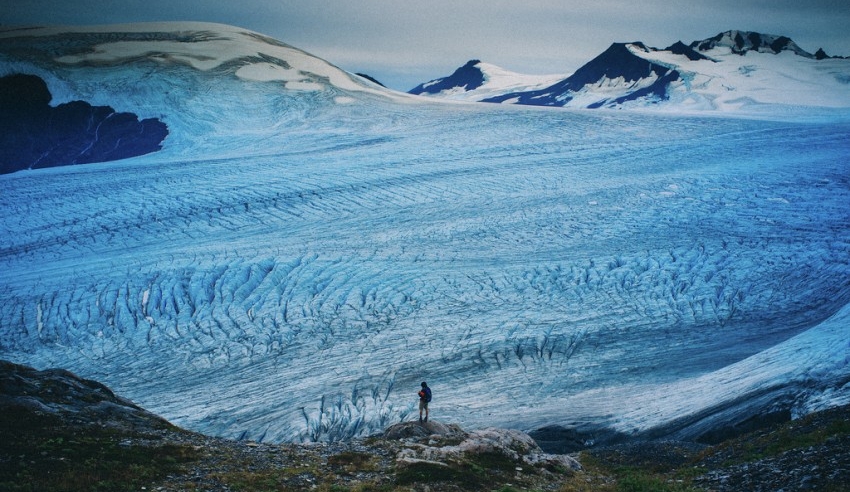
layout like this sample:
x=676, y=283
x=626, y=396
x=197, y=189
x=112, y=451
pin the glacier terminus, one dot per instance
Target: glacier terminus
x=308, y=246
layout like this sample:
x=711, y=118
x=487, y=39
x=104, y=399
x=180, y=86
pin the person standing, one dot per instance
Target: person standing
x=424, y=399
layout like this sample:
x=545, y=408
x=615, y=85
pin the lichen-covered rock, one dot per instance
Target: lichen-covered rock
x=512, y=444
x=416, y=430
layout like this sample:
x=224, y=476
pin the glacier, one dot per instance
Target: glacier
x=307, y=247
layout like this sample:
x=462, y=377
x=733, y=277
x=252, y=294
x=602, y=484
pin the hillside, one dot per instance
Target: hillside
x=104, y=93
x=56, y=436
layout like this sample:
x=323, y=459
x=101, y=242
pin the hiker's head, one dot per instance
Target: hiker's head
x=424, y=384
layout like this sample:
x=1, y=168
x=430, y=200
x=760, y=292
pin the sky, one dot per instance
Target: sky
x=403, y=44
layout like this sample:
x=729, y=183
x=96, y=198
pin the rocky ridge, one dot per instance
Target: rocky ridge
x=51, y=420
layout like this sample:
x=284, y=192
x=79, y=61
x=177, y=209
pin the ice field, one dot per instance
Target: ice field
x=294, y=262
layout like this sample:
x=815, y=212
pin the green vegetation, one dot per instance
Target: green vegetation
x=426, y=473
x=485, y=471
x=630, y=480
x=40, y=453
x=352, y=461
x=642, y=469
x=606, y=476
x=253, y=481
x=793, y=435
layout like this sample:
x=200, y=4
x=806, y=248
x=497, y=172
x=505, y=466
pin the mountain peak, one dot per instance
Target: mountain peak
x=742, y=42
x=614, y=77
x=820, y=54
x=468, y=77
x=636, y=74
x=477, y=81
x=680, y=48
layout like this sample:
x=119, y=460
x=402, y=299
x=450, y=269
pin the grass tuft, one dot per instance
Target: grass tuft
x=40, y=453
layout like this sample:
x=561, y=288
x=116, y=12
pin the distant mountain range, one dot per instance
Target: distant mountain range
x=727, y=71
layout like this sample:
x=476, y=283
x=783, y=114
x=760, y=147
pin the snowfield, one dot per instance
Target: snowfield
x=308, y=247
x=730, y=81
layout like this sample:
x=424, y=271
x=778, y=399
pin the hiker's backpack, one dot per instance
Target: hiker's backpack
x=427, y=394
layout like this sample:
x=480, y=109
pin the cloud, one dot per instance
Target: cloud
x=401, y=42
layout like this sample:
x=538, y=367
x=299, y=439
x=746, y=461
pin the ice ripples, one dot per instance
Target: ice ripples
x=301, y=293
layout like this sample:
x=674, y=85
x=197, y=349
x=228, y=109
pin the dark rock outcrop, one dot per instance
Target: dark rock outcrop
x=617, y=62
x=681, y=48
x=370, y=78
x=468, y=77
x=742, y=42
x=35, y=135
x=77, y=401
x=560, y=439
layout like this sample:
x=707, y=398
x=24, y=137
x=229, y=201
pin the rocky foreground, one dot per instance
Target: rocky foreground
x=60, y=432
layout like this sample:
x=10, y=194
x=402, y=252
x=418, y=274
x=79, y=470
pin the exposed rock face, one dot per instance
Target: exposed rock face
x=406, y=430
x=561, y=440
x=34, y=134
x=78, y=401
x=616, y=65
x=370, y=78
x=436, y=443
x=681, y=48
x=741, y=42
x=820, y=54
x=467, y=77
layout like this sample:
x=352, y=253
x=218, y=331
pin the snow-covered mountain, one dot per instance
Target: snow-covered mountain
x=476, y=81
x=732, y=70
x=614, y=78
x=743, y=42
x=306, y=247
x=212, y=59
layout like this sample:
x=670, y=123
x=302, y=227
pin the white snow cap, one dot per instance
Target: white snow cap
x=206, y=46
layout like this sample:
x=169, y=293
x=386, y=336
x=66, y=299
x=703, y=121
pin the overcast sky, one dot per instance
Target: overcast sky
x=403, y=43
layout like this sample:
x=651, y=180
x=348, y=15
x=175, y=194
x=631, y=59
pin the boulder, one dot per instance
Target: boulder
x=417, y=430
x=436, y=443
